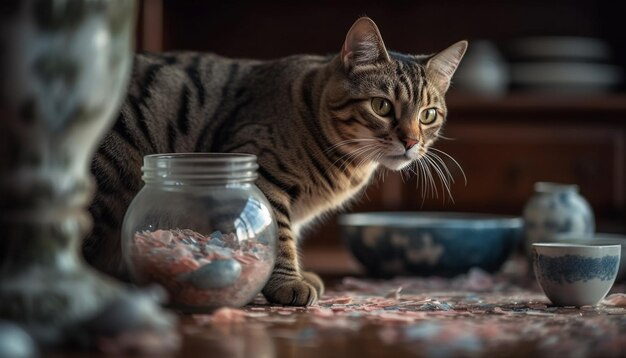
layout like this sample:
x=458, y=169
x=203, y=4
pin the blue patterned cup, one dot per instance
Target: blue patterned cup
x=573, y=274
x=601, y=239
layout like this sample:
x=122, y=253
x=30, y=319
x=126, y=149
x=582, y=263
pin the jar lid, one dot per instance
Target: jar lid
x=200, y=168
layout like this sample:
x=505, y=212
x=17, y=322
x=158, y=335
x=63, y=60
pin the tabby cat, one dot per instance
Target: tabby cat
x=320, y=126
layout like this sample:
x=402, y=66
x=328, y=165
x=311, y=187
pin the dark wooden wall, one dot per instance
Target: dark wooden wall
x=269, y=29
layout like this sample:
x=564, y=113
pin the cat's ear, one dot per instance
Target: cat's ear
x=441, y=66
x=363, y=44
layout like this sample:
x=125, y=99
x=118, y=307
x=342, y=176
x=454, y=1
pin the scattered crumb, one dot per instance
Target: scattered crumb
x=616, y=299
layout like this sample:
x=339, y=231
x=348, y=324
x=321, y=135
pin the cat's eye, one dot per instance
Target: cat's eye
x=428, y=116
x=381, y=106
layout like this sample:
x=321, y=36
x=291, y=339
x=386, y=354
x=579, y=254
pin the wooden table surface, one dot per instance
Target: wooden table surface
x=473, y=315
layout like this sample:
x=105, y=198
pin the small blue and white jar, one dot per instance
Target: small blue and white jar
x=556, y=209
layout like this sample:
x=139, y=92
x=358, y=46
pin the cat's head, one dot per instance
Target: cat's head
x=384, y=106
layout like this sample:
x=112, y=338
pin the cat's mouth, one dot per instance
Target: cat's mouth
x=396, y=162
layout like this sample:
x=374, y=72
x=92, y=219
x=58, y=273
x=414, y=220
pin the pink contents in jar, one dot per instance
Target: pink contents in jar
x=201, y=272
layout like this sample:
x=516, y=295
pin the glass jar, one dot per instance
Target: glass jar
x=202, y=229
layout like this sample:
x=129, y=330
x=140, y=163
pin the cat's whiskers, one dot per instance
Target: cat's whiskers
x=421, y=177
x=441, y=136
x=351, y=141
x=379, y=155
x=423, y=168
x=367, y=158
x=350, y=157
x=443, y=179
x=453, y=160
x=402, y=171
x=349, y=153
x=449, y=178
x=425, y=182
x=382, y=171
x=406, y=170
x=414, y=169
x=429, y=176
x=443, y=165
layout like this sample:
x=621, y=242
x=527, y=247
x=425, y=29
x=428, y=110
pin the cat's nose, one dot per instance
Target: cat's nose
x=409, y=143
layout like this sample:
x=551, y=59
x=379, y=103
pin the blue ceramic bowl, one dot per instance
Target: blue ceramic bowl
x=425, y=244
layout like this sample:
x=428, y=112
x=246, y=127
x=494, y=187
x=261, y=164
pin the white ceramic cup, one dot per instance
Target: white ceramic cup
x=573, y=274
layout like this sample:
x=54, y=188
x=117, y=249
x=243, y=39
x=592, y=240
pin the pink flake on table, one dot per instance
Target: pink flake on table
x=289, y=308
x=479, y=280
x=257, y=314
x=257, y=309
x=368, y=308
x=616, y=299
x=380, y=301
x=415, y=315
x=336, y=322
x=336, y=300
x=228, y=315
x=416, y=303
x=321, y=311
x=539, y=313
x=395, y=294
x=499, y=310
x=449, y=313
x=393, y=318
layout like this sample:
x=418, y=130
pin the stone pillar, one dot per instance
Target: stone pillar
x=64, y=66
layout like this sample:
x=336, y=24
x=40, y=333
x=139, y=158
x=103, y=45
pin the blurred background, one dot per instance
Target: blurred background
x=540, y=95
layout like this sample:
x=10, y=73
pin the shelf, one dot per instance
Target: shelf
x=532, y=102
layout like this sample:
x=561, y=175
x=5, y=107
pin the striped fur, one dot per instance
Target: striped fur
x=309, y=119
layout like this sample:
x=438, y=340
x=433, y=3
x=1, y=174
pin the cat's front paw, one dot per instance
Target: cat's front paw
x=314, y=280
x=290, y=291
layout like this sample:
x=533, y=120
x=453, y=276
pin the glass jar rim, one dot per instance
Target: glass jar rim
x=203, y=157
x=199, y=168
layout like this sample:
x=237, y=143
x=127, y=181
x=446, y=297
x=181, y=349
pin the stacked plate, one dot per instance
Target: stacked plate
x=564, y=65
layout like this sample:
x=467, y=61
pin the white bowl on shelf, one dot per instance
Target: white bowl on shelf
x=566, y=75
x=563, y=47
